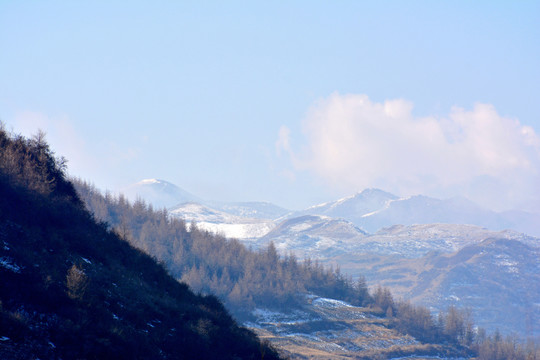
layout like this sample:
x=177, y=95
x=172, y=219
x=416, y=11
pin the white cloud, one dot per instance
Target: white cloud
x=283, y=142
x=355, y=143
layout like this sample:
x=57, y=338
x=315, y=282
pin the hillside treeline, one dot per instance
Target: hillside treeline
x=72, y=289
x=212, y=264
x=454, y=327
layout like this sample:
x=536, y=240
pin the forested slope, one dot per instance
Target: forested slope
x=247, y=279
x=71, y=288
x=212, y=264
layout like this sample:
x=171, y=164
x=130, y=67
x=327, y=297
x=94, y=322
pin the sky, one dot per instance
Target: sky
x=294, y=103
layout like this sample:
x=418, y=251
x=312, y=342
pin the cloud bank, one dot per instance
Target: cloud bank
x=355, y=143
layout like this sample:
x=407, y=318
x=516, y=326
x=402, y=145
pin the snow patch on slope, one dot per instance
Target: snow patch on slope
x=222, y=223
x=238, y=231
x=8, y=264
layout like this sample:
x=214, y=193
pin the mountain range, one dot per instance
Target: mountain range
x=395, y=242
x=370, y=210
x=374, y=209
x=225, y=223
x=160, y=193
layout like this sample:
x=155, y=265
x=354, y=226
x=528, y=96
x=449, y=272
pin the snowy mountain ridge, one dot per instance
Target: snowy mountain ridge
x=370, y=210
x=241, y=220
x=374, y=209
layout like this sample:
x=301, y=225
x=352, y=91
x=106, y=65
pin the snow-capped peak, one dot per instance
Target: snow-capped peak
x=149, y=181
x=159, y=193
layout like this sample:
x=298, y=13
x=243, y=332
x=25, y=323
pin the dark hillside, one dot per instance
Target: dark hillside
x=72, y=289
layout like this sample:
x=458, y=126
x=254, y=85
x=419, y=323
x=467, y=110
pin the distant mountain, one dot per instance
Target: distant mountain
x=369, y=210
x=313, y=236
x=223, y=223
x=159, y=193
x=432, y=264
x=524, y=221
x=354, y=207
x=240, y=220
x=375, y=209
x=324, y=238
x=418, y=240
x=497, y=279
x=252, y=209
x=426, y=210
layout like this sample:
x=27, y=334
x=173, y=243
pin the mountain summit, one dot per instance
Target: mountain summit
x=159, y=193
x=354, y=207
x=374, y=209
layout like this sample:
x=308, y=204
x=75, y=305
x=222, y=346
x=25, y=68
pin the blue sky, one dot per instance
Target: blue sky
x=290, y=102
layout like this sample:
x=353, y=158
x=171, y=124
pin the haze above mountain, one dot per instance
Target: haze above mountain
x=163, y=194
